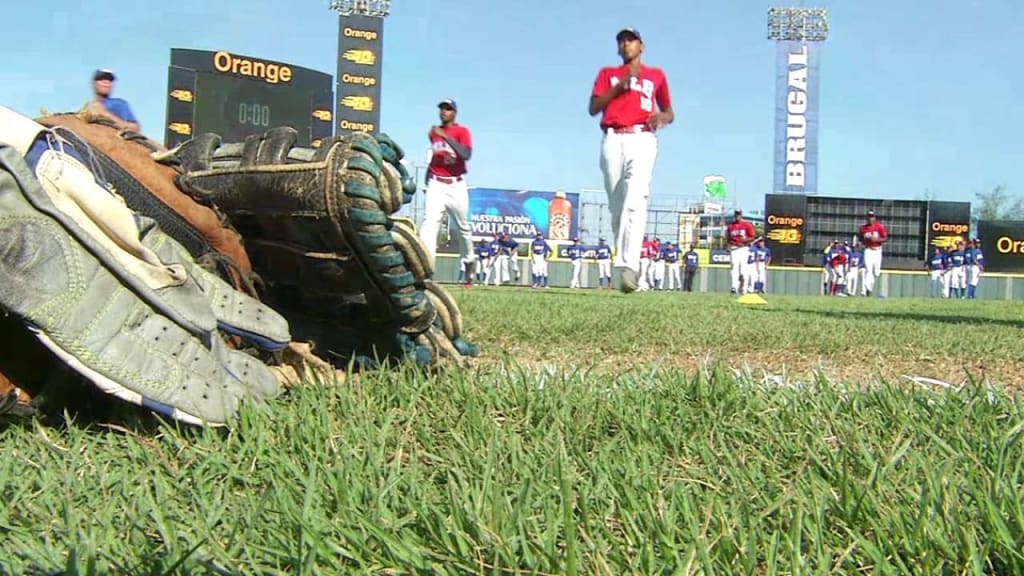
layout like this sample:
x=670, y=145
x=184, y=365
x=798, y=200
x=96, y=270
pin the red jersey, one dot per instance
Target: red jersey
x=740, y=233
x=839, y=259
x=444, y=162
x=635, y=105
x=872, y=234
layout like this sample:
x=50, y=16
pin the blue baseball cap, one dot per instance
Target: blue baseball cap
x=628, y=32
x=103, y=74
x=448, y=103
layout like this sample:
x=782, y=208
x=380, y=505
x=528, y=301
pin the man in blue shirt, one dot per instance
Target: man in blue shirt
x=691, y=260
x=762, y=259
x=855, y=269
x=539, y=250
x=935, y=265
x=976, y=265
x=958, y=271
x=575, y=253
x=603, y=255
x=670, y=254
x=103, y=104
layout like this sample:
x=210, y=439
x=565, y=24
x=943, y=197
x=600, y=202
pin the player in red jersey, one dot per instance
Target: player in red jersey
x=740, y=234
x=452, y=146
x=872, y=235
x=634, y=102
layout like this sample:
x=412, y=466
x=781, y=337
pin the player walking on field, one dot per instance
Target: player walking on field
x=634, y=102
x=452, y=146
x=872, y=235
x=740, y=234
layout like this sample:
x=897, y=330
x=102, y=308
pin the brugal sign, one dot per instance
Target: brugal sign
x=796, y=118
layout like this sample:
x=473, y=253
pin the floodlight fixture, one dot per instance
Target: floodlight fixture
x=804, y=24
x=371, y=8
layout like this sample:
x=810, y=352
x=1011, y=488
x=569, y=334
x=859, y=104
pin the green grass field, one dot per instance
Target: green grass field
x=598, y=434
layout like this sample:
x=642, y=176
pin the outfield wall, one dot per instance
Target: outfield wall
x=781, y=280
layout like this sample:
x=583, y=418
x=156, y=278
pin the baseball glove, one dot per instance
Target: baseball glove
x=318, y=227
x=108, y=293
x=125, y=159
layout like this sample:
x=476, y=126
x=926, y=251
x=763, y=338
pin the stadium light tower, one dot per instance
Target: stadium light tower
x=803, y=24
x=798, y=33
x=371, y=8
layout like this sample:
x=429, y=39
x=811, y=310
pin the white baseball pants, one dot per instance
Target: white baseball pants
x=739, y=257
x=872, y=268
x=627, y=162
x=540, y=266
x=500, y=269
x=658, y=274
x=441, y=197
x=645, y=272
x=974, y=275
x=604, y=268
x=577, y=268
x=853, y=280
x=958, y=277
x=673, y=276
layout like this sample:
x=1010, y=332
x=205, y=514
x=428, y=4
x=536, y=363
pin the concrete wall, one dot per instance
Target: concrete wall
x=781, y=280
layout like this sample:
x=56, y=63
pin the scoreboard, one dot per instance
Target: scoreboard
x=235, y=96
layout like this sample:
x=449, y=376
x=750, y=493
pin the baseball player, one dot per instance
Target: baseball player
x=540, y=251
x=634, y=102
x=670, y=255
x=935, y=265
x=762, y=259
x=854, y=270
x=958, y=271
x=603, y=255
x=508, y=251
x=691, y=261
x=494, y=262
x=452, y=146
x=838, y=259
x=484, y=261
x=575, y=252
x=646, y=254
x=974, y=271
x=741, y=234
x=658, y=265
x=873, y=235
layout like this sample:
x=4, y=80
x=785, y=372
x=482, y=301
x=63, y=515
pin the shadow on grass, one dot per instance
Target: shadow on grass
x=896, y=315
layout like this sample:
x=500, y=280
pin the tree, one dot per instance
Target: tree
x=996, y=204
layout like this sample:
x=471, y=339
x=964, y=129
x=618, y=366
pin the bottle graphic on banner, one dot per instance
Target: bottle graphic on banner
x=559, y=217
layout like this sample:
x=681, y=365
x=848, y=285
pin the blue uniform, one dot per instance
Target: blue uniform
x=957, y=263
x=603, y=254
x=575, y=252
x=936, y=264
x=120, y=108
x=977, y=260
x=539, y=267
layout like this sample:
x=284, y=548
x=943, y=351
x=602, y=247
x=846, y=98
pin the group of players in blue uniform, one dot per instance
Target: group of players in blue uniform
x=956, y=271
x=498, y=260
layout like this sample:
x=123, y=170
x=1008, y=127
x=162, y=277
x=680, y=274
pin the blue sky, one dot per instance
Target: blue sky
x=915, y=95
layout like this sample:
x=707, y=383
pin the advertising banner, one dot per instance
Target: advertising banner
x=796, y=117
x=948, y=223
x=1002, y=243
x=785, y=227
x=360, y=61
x=521, y=214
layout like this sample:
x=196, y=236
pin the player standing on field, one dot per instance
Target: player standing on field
x=575, y=252
x=634, y=102
x=977, y=266
x=540, y=250
x=935, y=265
x=452, y=146
x=741, y=234
x=603, y=255
x=872, y=235
x=691, y=261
